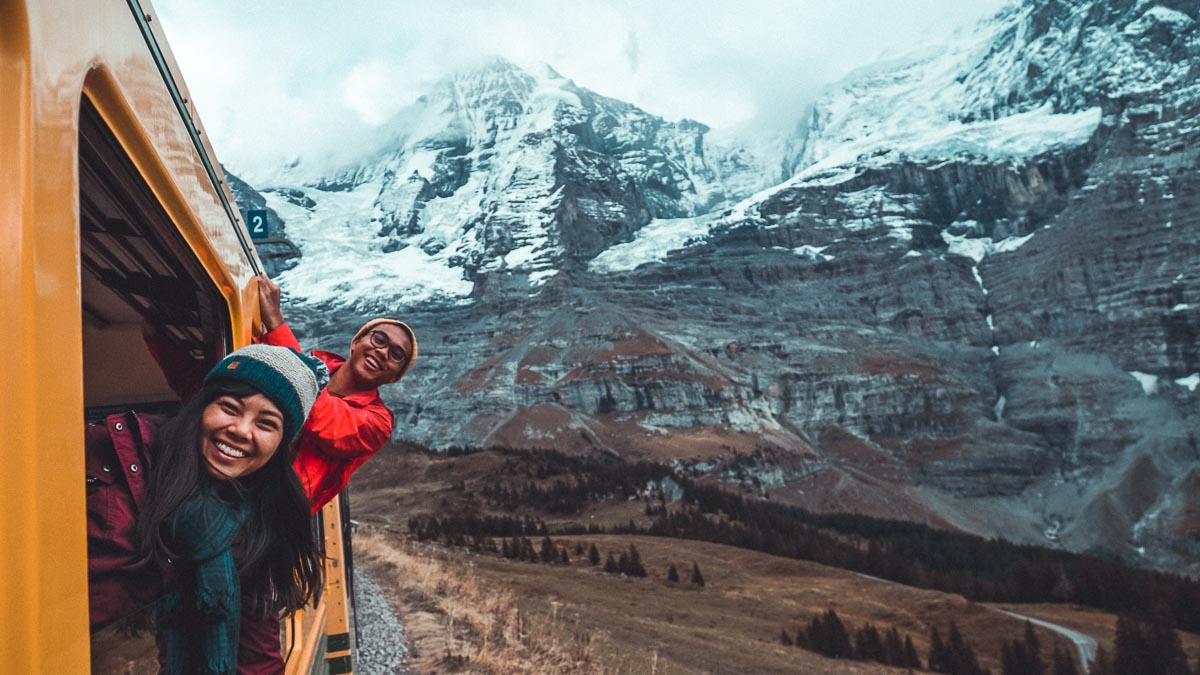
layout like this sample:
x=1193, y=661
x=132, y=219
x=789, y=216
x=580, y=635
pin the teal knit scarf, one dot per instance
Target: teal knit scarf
x=198, y=622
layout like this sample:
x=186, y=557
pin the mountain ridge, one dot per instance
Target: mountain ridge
x=987, y=318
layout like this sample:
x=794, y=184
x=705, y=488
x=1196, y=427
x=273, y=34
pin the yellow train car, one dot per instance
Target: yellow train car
x=114, y=210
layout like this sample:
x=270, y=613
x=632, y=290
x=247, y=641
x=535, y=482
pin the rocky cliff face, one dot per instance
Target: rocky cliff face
x=974, y=304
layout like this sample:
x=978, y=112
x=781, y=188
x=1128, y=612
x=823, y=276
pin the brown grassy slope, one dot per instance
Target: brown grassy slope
x=750, y=595
x=483, y=614
x=732, y=625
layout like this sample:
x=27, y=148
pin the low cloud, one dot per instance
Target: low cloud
x=276, y=80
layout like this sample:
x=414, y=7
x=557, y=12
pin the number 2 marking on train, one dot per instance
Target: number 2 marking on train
x=257, y=220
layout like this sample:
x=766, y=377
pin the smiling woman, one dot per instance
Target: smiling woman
x=223, y=472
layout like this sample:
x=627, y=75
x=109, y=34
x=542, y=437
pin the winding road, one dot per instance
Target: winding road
x=1086, y=644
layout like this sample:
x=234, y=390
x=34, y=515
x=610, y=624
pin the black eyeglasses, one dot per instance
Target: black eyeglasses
x=381, y=340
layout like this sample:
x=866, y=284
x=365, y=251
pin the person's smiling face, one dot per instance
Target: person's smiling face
x=240, y=435
x=378, y=357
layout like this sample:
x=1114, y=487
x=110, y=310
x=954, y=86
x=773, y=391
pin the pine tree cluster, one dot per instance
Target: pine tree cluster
x=521, y=549
x=908, y=553
x=825, y=634
x=954, y=656
x=577, y=481
x=1024, y=656
x=1145, y=644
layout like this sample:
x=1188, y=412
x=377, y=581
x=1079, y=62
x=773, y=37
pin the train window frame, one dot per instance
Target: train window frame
x=135, y=267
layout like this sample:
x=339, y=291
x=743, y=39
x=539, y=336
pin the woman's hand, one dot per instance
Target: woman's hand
x=268, y=303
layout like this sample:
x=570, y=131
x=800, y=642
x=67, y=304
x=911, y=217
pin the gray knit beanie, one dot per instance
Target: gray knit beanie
x=291, y=380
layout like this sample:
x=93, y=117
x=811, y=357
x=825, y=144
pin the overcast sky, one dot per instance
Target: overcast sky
x=274, y=80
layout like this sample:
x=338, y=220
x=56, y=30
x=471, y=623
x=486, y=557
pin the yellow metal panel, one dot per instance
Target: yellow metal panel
x=337, y=620
x=19, y=563
x=48, y=51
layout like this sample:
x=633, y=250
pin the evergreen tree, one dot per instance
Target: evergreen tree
x=593, y=555
x=893, y=648
x=837, y=640
x=1033, y=651
x=672, y=574
x=1010, y=661
x=1165, y=645
x=636, y=569
x=1102, y=664
x=911, y=658
x=1132, y=654
x=937, y=651
x=1063, y=663
x=960, y=658
x=868, y=646
x=578, y=548
x=610, y=565
x=504, y=550
x=549, y=554
x=802, y=640
x=697, y=578
x=563, y=557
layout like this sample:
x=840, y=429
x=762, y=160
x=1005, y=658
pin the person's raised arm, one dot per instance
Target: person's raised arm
x=276, y=332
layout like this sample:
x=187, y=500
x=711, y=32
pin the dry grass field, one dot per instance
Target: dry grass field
x=480, y=613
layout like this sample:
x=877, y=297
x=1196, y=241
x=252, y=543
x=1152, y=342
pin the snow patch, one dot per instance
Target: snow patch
x=979, y=248
x=1149, y=382
x=1157, y=15
x=520, y=256
x=978, y=278
x=813, y=252
x=1191, y=381
x=653, y=243
x=343, y=263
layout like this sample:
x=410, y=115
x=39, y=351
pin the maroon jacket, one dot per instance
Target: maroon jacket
x=117, y=461
x=118, y=458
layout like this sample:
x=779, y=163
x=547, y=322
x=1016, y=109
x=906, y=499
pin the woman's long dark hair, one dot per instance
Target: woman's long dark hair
x=277, y=553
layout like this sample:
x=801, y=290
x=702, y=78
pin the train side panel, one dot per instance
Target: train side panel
x=51, y=54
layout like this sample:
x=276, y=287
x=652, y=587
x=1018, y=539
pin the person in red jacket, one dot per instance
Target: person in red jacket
x=349, y=422
x=347, y=425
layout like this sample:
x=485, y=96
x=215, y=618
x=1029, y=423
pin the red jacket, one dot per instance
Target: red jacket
x=340, y=434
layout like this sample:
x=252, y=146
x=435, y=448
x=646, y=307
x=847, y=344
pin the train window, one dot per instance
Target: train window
x=137, y=270
x=138, y=273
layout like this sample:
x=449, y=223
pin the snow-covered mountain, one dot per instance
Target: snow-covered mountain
x=498, y=170
x=972, y=299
